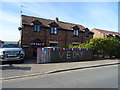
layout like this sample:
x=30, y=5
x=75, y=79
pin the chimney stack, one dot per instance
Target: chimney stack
x=56, y=19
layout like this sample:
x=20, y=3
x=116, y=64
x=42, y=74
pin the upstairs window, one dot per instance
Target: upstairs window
x=86, y=34
x=53, y=30
x=36, y=25
x=36, y=28
x=75, y=32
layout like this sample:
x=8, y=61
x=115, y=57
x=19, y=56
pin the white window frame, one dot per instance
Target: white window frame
x=36, y=28
x=75, y=32
x=53, y=30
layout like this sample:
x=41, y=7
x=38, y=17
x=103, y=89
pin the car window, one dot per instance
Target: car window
x=10, y=46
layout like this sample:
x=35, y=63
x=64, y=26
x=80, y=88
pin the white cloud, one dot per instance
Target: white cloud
x=9, y=23
x=8, y=26
x=102, y=16
x=45, y=11
x=9, y=33
x=5, y=16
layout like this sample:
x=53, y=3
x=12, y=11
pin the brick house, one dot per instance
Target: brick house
x=38, y=32
x=98, y=33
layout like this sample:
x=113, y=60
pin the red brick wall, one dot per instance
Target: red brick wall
x=59, y=37
x=71, y=38
x=64, y=37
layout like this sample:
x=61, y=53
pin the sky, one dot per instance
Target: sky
x=101, y=15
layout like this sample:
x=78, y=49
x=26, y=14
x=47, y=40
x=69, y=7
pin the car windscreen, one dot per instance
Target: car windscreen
x=10, y=46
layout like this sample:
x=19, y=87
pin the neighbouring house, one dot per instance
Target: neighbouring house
x=1, y=42
x=38, y=32
x=99, y=33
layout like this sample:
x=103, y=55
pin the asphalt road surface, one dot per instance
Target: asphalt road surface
x=98, y=77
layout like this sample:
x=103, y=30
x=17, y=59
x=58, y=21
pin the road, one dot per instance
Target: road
x=98, y=77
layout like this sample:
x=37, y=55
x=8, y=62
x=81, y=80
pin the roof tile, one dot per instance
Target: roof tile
x=107, y=32
x=65, y=25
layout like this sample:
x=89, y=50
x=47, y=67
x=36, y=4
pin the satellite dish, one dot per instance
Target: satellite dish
x=20, y=28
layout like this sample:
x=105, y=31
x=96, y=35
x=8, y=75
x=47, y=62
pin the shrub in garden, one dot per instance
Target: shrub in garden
x=105, y=46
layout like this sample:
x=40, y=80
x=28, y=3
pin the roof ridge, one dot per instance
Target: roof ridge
x=37, y=17
x=71, y=23
x=105, y=30
x=53, y=20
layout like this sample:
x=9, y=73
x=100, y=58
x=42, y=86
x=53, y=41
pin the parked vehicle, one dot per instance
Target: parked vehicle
x=52, y=47
x=11, y=53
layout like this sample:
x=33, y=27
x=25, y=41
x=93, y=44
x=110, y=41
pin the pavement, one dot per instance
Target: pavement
x=29, y=68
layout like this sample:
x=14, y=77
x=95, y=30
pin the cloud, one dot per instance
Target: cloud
x=102, y=15
x=45, y=10
x=9, y=27
x=9, y=33
x=9, y=22
x=7, y=17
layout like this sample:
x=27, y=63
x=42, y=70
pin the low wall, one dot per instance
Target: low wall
x=45, y=55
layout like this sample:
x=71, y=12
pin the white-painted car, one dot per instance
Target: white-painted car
x=11, y=52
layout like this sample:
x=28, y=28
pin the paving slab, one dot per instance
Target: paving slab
x=30, y=68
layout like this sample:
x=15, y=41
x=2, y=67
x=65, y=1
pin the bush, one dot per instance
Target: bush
x=105, y=46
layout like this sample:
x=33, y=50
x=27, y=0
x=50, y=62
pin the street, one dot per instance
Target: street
x=97, y=77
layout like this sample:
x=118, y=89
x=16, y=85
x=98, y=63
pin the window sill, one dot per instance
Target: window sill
x=75, y=36
x=53, y=34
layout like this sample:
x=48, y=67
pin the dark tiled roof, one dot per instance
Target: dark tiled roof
x=107, y=32
x=65, y=25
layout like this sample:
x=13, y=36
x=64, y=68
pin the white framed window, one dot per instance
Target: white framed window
x=75, y=43
x=36, y=28
x=53, y=43
x=53, y=30
x=75, y=32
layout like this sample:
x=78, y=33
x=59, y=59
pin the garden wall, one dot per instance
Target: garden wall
x=45, y=55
